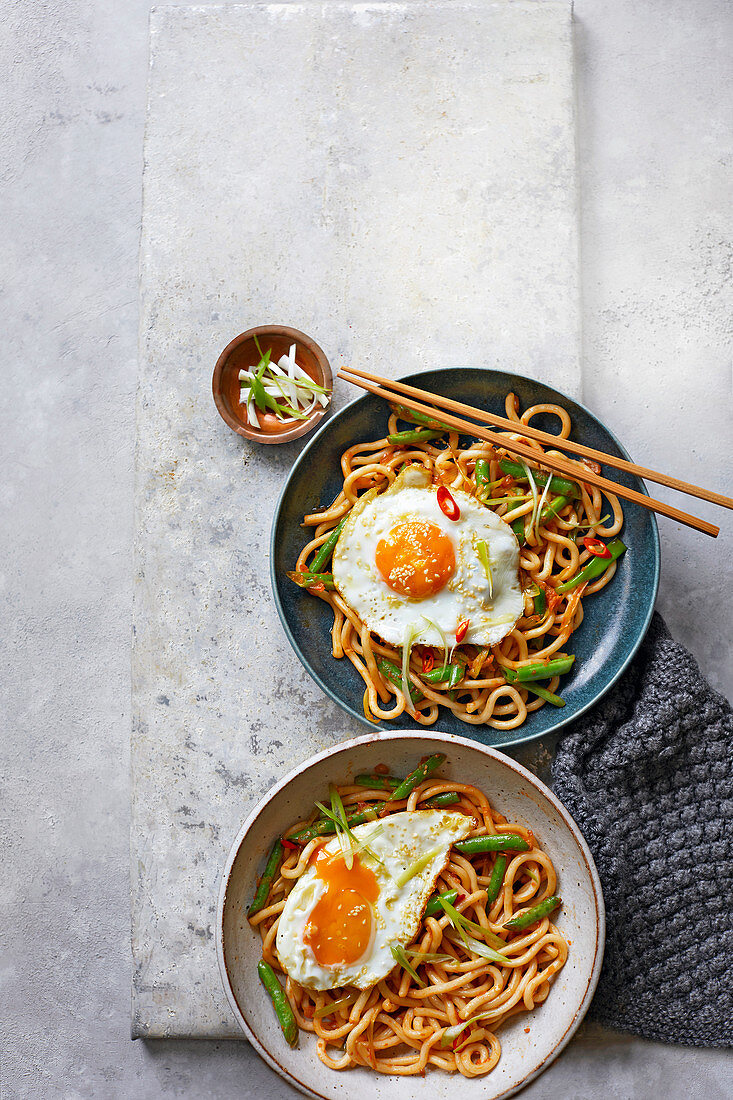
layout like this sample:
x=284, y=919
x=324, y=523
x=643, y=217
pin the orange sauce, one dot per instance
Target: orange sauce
x=339, y=930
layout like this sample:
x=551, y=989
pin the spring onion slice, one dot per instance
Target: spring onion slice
x=428, y=956
x=334, y=1006
x=398, y=954
x=463, y=924
x=450, y=1034
x=418, y=866
x=475, y=947
x=443, y=639
x=357, y=845
x=344, y=832
x=535, y=498
x=541, y=505
x=483, y=556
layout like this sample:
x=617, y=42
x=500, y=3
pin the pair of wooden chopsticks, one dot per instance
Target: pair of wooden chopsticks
x=422, y=401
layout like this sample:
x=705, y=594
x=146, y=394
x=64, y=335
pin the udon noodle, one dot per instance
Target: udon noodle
x=398, y=1026
x=552, y=553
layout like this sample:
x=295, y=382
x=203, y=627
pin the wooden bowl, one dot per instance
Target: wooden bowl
x=513, y=791
x=242, y=354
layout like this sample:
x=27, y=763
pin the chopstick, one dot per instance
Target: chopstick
x=548, y=439
x=552, y=462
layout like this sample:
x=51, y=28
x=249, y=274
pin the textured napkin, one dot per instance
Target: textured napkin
x=648, y=777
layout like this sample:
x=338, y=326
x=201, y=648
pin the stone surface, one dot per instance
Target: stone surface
x=654, y=142
x=328, y=200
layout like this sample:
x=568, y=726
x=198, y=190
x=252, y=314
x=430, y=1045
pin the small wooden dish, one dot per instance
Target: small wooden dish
x=241, y=354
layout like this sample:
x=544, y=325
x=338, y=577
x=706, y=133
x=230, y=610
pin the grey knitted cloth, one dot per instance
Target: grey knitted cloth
x=648, y=777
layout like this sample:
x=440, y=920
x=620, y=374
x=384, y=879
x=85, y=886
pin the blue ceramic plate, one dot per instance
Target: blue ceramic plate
x=615, y=620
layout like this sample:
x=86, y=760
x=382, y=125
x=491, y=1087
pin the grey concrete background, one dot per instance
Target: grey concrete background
x=654, y=142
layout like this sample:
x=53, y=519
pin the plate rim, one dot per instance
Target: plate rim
x=561, y=720
x=379, y=738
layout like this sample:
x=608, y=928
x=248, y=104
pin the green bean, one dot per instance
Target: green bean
x=306, y=579
x=324, y=552
x=434, y=907
x=543, y=693
x=378, y=782
x=413, y=417
x=551, y=510
x=537, y=912
x=518, y=529
x=265, y=881
x=453, y=675
x=497, y=880
x=420, y=435
x=560, y=484
x=420, y=774
x=482, y=472
x=594, y=567
x=539, y=670
x=448, y=798
x=280, y=1002
x=497, y=842
x=325, y=827
x=393, y=673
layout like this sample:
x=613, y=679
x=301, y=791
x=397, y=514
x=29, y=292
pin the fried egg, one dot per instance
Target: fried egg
x=339, y=924
x=406, y=568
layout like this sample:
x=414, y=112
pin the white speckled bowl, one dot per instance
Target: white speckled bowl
x=516, y=793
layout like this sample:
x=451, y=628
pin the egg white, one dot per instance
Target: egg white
x=491, y=610
x=398, y=841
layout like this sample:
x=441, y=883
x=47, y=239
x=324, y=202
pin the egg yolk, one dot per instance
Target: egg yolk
x=339, y=929
x=416, y=559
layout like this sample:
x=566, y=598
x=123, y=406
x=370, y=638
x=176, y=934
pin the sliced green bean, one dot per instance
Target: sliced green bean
x=511, y=678
x=413, y=417
x=420, y=774
x=434, y=907
x=393, y=673
x=378, y=782
x=539, y=670
x=551, y=510
x=497, y=879
x=447, y=798
x=420, y=435
x=306, y=579
x=537, y=912
x=560, y=485
x=452, y=675
x=266, y=879
x=594, y=567
x=482, y=472
x=324, y=552
x=518, y=529
x=280, y=1002
x=497, y=842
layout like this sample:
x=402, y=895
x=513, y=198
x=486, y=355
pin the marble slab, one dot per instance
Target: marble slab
x=397, y=180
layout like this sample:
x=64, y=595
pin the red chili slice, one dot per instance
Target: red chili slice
x=428, y=661
x=596, y=547
x=289, y=844
x=462, y=630
x=447, y=504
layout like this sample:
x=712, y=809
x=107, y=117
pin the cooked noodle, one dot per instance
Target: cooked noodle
x=549, y=557
x=396, y=1026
